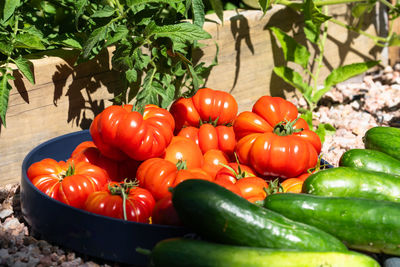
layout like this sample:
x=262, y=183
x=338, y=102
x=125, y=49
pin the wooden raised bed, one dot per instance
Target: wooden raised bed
x=66, y=98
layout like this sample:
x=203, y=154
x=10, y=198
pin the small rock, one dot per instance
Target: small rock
x=11, y=224
x=388, y=69
x=5, y=213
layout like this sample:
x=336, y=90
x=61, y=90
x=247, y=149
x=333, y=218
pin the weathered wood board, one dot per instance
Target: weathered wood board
x=66, y=98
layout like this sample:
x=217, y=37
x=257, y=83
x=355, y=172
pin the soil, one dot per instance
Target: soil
x=352, y=108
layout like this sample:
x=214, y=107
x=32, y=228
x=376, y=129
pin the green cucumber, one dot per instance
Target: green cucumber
x=353, y=182
x=362, y=224
x=217, y=214
x=180, y=252
x=369, y=159
x=384, y=139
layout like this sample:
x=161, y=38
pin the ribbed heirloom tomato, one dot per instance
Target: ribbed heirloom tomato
x=120, y=131
x=274, y=141
x=207, y=105
x=158, y=175
x=69, y=182
x=122, y=201
x=116, y=170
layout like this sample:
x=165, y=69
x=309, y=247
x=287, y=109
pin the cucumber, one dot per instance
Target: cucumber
x=362, y=224
x=180, y=252
x=384, y=139
x=217, y=214
x=369, y=159
x=353, y=182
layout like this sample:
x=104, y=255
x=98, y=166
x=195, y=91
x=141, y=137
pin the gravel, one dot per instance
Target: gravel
x=351, y=108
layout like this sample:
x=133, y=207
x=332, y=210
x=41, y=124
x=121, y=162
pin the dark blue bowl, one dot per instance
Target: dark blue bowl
x=87, y=233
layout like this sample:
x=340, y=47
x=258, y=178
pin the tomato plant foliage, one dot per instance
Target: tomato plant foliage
x=153, y=39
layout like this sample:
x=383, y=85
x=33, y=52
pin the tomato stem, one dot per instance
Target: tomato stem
x=274, y=187
x=138, y=108
x=286, y=127
x=123, y=190
x=181, y=165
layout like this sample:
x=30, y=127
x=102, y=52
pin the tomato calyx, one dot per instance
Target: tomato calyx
x=285, y=128
x=240, y=174
x=122, y=189
x=181, y=165
x=274, y=187
x=69, y=172
x=138, y=108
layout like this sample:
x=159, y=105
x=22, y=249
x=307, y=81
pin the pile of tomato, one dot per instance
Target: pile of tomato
x=139, y=154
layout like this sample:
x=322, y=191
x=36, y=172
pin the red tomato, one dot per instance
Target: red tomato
x=274, y=141
x=158, y=175
x=250, y=186
x=119, y=132
x=209, y=137
x=207, y=105
x=292, y=185
x=116, y=170
x=69, y=183
x=139, y=203
x=303, y=176
x=212, y=161
x=184, y=150
x=165, y=213
x=228, y=185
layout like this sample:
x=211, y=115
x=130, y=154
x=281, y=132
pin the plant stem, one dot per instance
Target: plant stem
x=386, y=3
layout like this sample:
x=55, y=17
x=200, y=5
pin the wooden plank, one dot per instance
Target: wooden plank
x=66, y=98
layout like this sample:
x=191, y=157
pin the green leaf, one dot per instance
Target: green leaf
x=313, y=18
x=9, y=8
x=25, y=66
x=292, y=50
x=217, y=6
x=180, y=33
x=325, y=129
x=394, y=40
x=105, y=12
x=5, y=88
x=132, y=3
x=342, y=74
x=95, y=37
x=195, y=79
x=265, y=5
x=5, y=47
x=294, y=79
x=120, y=33
x=30, y=41
x=307, y=115
x=131, y=75
x=80, y=6
x=198, y=12
x=360, y=8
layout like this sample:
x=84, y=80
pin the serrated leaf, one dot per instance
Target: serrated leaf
x=311, y=31
x=342, y=74
x=132, y=3
x=120, y=33
x=131, y=75
x=5, y=47
x=9, y=8
x=307, y=115
x=265, y=5
x=292, y=50
x=198, y=12
x=80, y=6
x=105, y=12
x=5, y=88
x=294, y=79
x=217, y=6
x=180, y=33
x=323, y=130
x=195, y=79
x=313, y=18
x=95, y=37
x=25, y=66
x=30, y=41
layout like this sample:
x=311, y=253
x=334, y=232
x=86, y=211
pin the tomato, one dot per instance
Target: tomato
x=184, y=150
x=303, y=176
x=165, y=213
x=158, y=175
x=139, y=203
x=292, y=185
x=228, y=185
x=120, y=133
x=209, y=137
x=69, y=183
x=207, y=105
x=212, y=161
x=116, y=170
x=250, y=186
x=274, y=141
